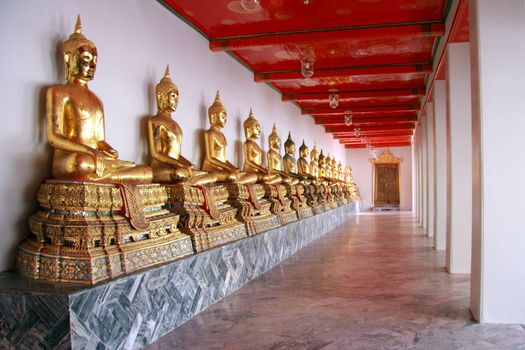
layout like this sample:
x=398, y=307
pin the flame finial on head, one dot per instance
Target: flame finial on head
x=78, y=25
x=249, y=123
x=303, y=148
x=289, y=142
x=217, y=105
x=273, y=138
x=164, y=87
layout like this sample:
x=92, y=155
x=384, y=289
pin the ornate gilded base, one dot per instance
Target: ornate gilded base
x=281, y=203
x=205, y=215
x=299, y=201
x=312, y=198
x=89, y=232
x=253, y=208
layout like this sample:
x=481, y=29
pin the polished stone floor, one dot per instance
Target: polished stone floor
x=373, y=283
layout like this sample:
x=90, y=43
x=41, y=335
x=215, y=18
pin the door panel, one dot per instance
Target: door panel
x=386, y=185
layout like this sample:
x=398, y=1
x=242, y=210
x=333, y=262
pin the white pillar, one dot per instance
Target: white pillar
x=497, y=30
x=414, y=177
x=424, y=173
x=459, y=165
x=418, y=172
x=430, y=169
x=440, y=149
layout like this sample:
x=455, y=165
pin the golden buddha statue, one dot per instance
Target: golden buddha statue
x=203, y=211
x=275, y=161
x=303, y=168
x=165, y=140
x=328, y=167
x=322, y=165
x=316, y=188
x=253, y=153
x=290, y=164
x=75, y=123
x=111, y=220
x=314, y=162
x=215, y=161
x=340, y=174
x=335, y=173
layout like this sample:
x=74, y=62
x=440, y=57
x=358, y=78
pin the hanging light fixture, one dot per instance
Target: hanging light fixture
x=357, y=132
x=333, y=99
x=307, y=67
x=250, y=5
x=348, y=118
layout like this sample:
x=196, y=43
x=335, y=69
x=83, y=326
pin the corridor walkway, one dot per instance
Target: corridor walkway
x=373, y=283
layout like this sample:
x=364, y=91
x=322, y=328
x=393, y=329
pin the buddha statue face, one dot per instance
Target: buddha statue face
x=274, y=140
x=217, y=112
x=167, y=93
x=83, y=63
x=80, y=56
x=303, y=151
x=289, y=145
x=252, y=128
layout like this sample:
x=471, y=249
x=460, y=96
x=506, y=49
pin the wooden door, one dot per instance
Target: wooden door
x=386, y=186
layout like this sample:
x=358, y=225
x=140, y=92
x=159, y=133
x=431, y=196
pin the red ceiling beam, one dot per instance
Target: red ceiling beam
x=405, y=126
x=375, y=139
x=269, y=77
x=315, y=96
x=340, y=111
x=382, y=144
x=332, y=34
x=323, y=118
x=386, y=133
x=368, y=120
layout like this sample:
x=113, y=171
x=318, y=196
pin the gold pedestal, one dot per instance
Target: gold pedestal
x=281, y=204
x=324, y=197
x=89, y=232
x=299, y=201
x=253, y=208
x=337, y=189
x=205, y=215
x=330, y=197
x=312, y=198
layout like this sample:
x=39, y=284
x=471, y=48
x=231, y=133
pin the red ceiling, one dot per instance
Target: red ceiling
x=377, y=54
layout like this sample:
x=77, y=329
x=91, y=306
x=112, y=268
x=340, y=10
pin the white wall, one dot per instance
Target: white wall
x=362, y=170
x=135, y=41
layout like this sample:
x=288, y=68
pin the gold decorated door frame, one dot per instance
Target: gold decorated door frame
x=386, y=161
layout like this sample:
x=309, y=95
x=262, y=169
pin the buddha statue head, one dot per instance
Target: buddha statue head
x=289, y=145
x=274, y=140
x=348, y=170
x=303, y=151
x=252, y=128
x=167, y=93
x=80, y=56
x=217, y=112
x=322, y=159
x=314, y=154
x=340, y=167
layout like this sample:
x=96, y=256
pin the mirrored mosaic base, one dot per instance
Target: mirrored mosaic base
x=135, y=310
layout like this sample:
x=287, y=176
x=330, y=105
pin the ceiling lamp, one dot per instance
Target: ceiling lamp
x=333, y=99
x=357, y=132
x=250, y=5
x=373, y=152
x=307, y=67
x=348, y=118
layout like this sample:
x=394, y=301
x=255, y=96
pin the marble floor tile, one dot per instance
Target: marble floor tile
x=373, y=283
